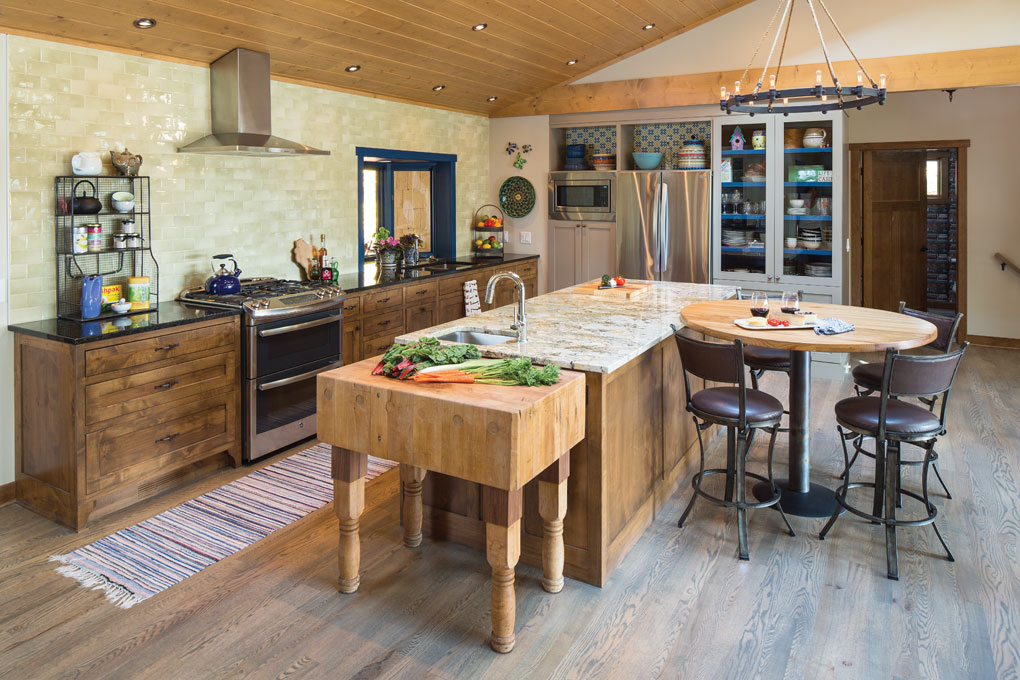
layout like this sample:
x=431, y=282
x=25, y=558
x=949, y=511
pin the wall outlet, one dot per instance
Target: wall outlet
x=526, y=238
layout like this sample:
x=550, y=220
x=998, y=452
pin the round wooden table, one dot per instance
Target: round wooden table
x=875, y=331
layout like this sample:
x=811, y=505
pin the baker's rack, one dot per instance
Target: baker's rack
x=115, y=265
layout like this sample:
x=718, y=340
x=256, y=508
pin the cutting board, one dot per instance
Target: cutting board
x=629, y=291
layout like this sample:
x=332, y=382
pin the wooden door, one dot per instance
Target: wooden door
x=894, y=214
x=598, y=250
x=563, y=255
x=351, y=342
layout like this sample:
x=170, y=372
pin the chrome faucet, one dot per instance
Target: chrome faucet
x=520, y=319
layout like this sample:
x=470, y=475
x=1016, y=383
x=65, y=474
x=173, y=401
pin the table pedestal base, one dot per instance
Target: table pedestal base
x=819, y=501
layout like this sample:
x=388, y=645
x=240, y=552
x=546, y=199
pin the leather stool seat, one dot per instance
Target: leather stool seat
x=724, y=402
x=868, y=376
x=767, y=358
x=861, y=413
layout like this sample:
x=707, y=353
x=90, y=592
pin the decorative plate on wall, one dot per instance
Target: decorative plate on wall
x=517, y=196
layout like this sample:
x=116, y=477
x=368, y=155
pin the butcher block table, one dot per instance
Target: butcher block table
x=499, y=437
x=875, y=330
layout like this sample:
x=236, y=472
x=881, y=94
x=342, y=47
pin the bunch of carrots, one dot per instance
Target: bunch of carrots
x=454, y=375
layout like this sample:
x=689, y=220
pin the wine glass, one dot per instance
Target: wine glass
x=759, y=303
x=790, y=303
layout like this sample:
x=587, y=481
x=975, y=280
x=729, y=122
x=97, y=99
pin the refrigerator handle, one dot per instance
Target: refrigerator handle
x=657, y=228
x=664, y=228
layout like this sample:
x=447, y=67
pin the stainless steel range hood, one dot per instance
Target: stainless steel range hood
x=242, y=112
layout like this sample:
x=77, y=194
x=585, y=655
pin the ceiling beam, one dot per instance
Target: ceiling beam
x=934, y=71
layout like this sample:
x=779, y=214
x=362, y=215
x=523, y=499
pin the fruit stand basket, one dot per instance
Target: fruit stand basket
x=488, y=236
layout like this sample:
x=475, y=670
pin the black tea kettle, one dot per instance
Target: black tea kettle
x=85, y=205
x=224, y=282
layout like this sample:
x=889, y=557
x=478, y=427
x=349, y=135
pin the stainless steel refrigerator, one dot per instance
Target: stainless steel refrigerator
x=663, y=225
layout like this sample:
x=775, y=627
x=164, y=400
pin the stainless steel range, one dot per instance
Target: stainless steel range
x=292, y=332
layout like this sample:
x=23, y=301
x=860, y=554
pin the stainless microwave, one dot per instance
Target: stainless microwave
x=582, y=196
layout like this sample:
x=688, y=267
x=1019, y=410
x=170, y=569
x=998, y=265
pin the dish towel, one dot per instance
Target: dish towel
x=472, y=305
x=831, y=326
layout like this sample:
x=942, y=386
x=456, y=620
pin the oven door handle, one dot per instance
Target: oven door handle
x=283, y=382
x=269, y=332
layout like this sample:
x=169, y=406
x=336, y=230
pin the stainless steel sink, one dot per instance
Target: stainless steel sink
x=475, y=337
x=447, y=266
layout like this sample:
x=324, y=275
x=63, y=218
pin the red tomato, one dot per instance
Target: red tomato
x=774, y=322
x=620, y=281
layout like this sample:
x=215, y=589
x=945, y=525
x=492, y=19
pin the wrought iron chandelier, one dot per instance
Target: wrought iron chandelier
x=822, y=98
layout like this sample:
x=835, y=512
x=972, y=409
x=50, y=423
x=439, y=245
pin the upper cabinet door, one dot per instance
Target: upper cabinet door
x=809, y=202
x=743, y=177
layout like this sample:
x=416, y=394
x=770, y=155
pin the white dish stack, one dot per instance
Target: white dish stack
x=819, y=269
x=810, y=237
x=734, y=237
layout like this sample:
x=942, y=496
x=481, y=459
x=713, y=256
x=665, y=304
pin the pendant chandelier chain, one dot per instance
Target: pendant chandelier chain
x=768, y=59
x=782, y=48
x=825, y=51
x=762, y=39
x=845, y=42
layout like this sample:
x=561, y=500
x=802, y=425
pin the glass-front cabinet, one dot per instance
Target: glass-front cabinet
x=778, y=217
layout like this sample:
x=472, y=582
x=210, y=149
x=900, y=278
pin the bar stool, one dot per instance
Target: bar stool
x=868, y=378
x=892, y=421
x=740, y=411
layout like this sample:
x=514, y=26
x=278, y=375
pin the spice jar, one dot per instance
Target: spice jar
x=138, y=292
x=133, y=239
x=79, y=240
x=120, y=242
x=95, y=237
x=127, y=226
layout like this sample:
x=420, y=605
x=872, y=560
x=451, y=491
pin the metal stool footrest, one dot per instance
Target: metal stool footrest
x=696, y=485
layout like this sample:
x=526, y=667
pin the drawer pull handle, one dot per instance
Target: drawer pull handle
x=167, y=348
x=350, y=307
x=422, y=292
x=385, y=323
x=168, y=438
x=384, y=300
x=165, y=386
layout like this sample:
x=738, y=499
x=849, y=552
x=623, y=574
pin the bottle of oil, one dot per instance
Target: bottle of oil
x=323, y=262
x=314, y=268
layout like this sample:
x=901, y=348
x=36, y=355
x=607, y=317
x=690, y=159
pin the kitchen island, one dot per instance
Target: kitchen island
x=637, y=432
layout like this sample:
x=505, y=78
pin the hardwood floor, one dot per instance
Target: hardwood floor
x=680, y=605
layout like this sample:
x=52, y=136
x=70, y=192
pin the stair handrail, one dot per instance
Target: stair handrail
x=1006, y=262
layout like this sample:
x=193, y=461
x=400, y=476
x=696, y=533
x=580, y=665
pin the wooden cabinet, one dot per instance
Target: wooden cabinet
x=451, y=308
x=580, y=251
x=419, y=316
x=351, y=343
x=104, y=424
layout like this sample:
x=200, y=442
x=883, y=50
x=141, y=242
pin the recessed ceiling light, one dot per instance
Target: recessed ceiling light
x=571, y=62
x=144, y=22
x=479, y=27
x=438, y=88
x=492, y=99
x=647, y=27
x=353, y=67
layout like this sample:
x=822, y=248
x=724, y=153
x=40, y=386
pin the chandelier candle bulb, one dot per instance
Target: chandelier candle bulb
x=860, y=78
x=772, y=81
x=736, y=87
x=722, y=93
x=881, y=82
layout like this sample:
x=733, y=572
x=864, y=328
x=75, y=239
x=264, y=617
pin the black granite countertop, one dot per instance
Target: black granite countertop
x=166, y=315
x=368, y=278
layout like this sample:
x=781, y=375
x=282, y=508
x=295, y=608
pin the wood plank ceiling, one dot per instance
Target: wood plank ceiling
x=404, y=47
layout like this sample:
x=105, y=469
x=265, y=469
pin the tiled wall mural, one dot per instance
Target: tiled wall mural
x=599, y=139
x=667, y=138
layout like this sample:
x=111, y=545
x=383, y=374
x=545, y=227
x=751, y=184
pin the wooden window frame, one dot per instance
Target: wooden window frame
x=943, y=159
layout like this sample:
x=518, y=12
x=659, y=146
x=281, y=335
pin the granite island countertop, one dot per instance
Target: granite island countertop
x=587, y=332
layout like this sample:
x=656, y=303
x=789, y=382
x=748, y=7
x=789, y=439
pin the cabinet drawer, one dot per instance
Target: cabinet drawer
x=141, y=392
x=455, y=284
x=160, y=348
x=420, y=292
x=136, y=441
x=375, y=346
x=451, y=308
x=526, y=269
x=389, y=322
x=392, y=296
x=352, y=306
x=417, y=317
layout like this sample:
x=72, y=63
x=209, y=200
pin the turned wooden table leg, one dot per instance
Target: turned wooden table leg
x=501, y=511
x=412, y=478
x=349, y=470
x=552, y=506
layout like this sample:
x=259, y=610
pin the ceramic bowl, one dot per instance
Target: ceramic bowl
x=796, y=203
x=120, y=307
x=122, y=201
x=646, y=160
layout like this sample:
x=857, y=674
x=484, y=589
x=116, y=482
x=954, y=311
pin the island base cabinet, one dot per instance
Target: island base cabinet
x=639, y=444
x=580, y=252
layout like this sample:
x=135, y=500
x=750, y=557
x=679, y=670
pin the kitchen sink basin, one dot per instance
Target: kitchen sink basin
x=447, y=266
x=475, y=337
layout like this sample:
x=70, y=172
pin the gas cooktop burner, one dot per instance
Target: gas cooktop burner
x=268, y=298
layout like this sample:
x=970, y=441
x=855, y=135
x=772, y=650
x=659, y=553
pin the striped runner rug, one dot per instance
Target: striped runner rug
x=139, y=561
